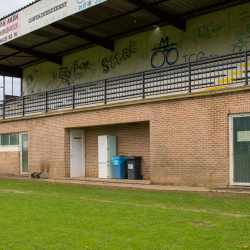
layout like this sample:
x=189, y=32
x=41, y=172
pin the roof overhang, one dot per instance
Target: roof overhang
x=84, y=26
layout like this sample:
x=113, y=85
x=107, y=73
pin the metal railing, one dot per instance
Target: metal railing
x=186, y=77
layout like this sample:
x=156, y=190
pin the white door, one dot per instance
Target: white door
x=77, y=153
x=103, y=159
x=103, y=149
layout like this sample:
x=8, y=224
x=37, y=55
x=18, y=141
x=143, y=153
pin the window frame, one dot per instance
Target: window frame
x=9, y=136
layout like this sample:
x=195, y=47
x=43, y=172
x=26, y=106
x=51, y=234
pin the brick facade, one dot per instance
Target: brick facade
x=182, y=141
x=9, y=163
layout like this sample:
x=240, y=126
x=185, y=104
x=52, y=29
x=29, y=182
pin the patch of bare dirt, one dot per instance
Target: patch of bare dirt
x=16, y=191
x=202, y=224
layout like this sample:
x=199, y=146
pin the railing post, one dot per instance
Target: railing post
x=246, y=73
x=73, y=96
x=3, y=109
x=105, y=91
x=23, y=106
x=189, y=77
x=143, y=86
x=46, y=102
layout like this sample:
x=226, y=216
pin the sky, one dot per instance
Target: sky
x=9, y=6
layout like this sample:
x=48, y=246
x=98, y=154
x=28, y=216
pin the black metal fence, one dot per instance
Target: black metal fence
x=213, y=72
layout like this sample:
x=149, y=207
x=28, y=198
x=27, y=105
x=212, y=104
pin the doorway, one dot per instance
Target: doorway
x=24, y=153
x=240, y=150
x=77, y=153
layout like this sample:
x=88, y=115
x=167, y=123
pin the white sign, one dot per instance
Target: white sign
x=130, y=166
x=39, y=15
x=243, y=136
x=10, y=28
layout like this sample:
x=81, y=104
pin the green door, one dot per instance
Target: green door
x=241, y=140
x=24, y=150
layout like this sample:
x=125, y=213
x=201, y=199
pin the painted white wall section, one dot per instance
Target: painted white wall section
x=218, y=33
x=10, y=148
x=39, y=15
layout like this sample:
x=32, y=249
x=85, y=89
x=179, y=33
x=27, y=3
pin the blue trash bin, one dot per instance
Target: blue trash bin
x=119, y=163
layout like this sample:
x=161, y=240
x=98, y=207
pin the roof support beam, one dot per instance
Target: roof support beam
x=160, y=14
x=94, y=39
x=47, y=57
x=16, y=71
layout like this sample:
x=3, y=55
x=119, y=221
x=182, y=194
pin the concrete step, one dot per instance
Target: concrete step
x=126, y=181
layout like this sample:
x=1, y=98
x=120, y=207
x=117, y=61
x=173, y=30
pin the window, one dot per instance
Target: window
x=14, y=139
x=9, y=86
x=9, y=139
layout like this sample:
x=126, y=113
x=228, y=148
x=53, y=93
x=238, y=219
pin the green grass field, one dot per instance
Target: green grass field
x=37, y=215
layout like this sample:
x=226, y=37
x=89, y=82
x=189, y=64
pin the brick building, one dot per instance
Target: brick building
x=171, y=85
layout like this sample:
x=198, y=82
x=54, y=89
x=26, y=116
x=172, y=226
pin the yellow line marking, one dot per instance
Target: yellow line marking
x=225, y=80
x=223, y=87
x=243, y=65
x=237, y=73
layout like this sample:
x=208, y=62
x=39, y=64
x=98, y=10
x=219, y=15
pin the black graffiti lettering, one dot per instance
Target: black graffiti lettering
x=113, y=61
x=105, y=65
x=132, y=47
x=185, y=57
x=163, y=52
x=84, y=65
x=119, y=58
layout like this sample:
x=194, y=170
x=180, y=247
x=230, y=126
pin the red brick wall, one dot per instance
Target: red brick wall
x=9, y=163
x=189, y=141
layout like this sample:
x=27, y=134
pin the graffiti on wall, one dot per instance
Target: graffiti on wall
x=206, y=31
x=58, y=77
x=198, y=56
x=53, y=78
x=240, y=45
x=242, y=16
x=67, y=75
x=118, y=58
x=203, y=32
x=164, y=53
x=31, y=80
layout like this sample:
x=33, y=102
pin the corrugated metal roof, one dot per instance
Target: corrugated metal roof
x=112, y=20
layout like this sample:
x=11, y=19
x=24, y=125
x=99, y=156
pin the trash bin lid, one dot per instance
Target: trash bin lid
x=117, y=160
x=133, y=157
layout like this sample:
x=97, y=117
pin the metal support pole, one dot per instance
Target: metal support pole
x=23, y=106
x=143, y=85
x=73, y=96
x=105, y=91
x=46, y=102
x=246, y=73
x=189, y=77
